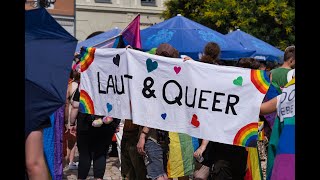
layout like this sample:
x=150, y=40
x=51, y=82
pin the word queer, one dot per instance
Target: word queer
x=198, y=96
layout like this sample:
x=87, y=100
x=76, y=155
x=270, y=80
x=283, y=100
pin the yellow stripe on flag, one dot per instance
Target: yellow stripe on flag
x=254, y=163
x=175, y=166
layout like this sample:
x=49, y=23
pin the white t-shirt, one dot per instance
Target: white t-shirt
x=290, y=74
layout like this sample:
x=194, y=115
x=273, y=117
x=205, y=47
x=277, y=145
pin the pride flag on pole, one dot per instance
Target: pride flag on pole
x=131, y=34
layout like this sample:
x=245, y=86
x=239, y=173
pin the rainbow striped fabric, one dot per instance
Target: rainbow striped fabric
x=180, y=160
x=281, y=151
x=254, y=171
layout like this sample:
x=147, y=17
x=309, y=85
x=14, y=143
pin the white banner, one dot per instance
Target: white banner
x=217, y=103
x=104, y=83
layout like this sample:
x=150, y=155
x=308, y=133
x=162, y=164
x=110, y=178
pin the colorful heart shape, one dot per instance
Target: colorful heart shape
x=177, y=69
x=116, y=60
x=194, y=121
x=164, y=115
x=151, y=65
x=109, y=107
x=238, y=81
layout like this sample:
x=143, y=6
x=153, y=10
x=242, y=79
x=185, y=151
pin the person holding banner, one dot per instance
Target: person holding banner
x=228, y=161
x=132, y=164
x=93, y=139
x=153, y=143
x=281, y=150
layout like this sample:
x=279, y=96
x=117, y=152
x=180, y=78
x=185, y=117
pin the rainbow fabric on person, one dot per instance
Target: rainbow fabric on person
x=281, y=150
x=254, y=171
x=180, y=161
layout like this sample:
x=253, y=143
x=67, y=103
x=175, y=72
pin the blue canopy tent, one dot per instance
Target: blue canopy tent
x=190, y=38
x=264, y=51
x=100, y=38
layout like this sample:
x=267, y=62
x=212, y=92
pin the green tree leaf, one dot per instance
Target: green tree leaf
x=272, y=21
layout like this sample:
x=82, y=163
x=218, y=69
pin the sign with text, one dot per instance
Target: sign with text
x=217, y=103
x=104, y=82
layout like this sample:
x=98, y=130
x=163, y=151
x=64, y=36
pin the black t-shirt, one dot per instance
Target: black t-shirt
x=76, y=96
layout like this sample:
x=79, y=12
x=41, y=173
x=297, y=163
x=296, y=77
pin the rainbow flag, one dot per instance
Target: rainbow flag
x=281, y=150
x=180, y=160
x=254, y=171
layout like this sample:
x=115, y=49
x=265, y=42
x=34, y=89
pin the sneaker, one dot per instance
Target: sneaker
x=73, y=166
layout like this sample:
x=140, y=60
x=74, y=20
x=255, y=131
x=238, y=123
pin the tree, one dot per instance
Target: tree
x=272, y=21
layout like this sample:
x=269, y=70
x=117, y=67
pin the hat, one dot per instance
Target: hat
x=166, y=50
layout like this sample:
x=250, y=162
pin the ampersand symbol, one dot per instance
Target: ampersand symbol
x=147, y=91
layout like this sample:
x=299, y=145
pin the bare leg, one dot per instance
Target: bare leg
x=72, y=154
x=67, y=156
x=35, y=162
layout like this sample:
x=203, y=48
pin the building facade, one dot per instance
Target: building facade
x=102, y=15
x=63, y=11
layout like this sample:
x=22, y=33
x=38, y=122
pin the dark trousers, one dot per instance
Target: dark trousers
x=132, y=164
x=93, y=144
x=229, y=161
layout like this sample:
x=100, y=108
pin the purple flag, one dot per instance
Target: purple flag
x=131, y=34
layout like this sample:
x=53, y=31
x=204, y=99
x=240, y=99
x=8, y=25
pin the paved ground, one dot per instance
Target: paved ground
x=112, y=170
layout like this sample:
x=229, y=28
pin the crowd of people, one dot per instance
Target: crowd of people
x=148, y=153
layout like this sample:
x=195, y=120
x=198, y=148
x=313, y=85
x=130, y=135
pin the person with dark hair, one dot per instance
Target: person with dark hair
x=271, y=65
x=279, y=75
x=211, y=53
x=248, y=63
x=153, y=143
x=68, y=137
x=263, y=65
x=94, y=34
x=223, y=161
x=131, y=162
x=92, y=141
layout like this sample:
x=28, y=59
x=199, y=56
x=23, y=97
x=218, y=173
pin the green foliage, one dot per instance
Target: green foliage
x=272, y=21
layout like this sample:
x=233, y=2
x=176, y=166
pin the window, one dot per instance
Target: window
x=102, y=1
x=148, y=2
